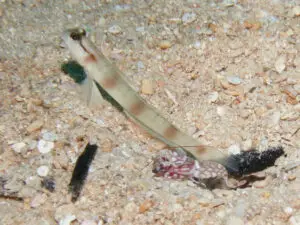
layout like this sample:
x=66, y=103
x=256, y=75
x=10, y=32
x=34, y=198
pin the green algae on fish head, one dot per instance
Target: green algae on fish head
x=74, y=70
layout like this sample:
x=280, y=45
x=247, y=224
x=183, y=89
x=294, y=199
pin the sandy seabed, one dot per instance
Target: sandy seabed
x=226, y=72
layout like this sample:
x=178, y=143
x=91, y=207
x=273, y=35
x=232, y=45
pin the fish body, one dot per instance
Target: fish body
x=103, y=74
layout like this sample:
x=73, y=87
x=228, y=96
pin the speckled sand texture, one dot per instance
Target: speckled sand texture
x=226, y=72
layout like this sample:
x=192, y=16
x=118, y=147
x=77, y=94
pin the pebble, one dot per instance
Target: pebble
x=295, y=220
x=297, y=61
x=36, y=125
x=260, y=174
x=253, y=25
x=164, y=44
x=275, y=118
x=290, y=92
x=289, y=32
x=235, y=44
x=280, y=63
x=45, y=146
x=31, y=144
x=43, y=171
x=221, y=111
x=99, y=121
x=234, y=220
x=38, y=200
x=288, y=210
x=88, y=222
x=145, y=206
x=140, y=65
x=106, y=146
x=206, y=199
x=49, y=136
x=296, y=11
x=295, y=185
x=247, y=144
x=122, y=7
x=27, y=192
x=155, y=145
x=175, y=20
x=131, y=207
x=221, y=214
x=101, y=21
x=67, y=220
x=259, y=111
x=234, y=149
x=188, y=18
x=235, y=53
x=266, y=194
x=290, y=116
x=240, y=208
x=19, y=147
x=48, y=183
x=198, y=134
x=229, y=3
x=244, y=113
x=73, y=2
x=115, y=29
x=234, y=80
x=263, y=144
x=291, y=80
x=213, y=27
x=37, y=101
x=171, y=96
x=65, y=213
x=262, y=183
x=297, y=88
x=33, y=182
x=19, y=98
x=140, y=29
x=177, y=208
x=197, y=45
x=204, y=31
x=213, y=97
x=147, y=87
x=2, y=128
x=291, y=177
x=224, y=83
x=297, y=107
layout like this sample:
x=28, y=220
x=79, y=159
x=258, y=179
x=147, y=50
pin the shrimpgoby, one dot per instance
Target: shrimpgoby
x=102, y=73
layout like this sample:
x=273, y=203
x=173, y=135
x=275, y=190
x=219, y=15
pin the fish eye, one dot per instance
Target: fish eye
x=77, y=34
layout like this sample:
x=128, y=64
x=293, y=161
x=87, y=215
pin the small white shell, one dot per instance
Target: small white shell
x=234, y=80
x=42, y=171
x=18, y=147
x=45, y=146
